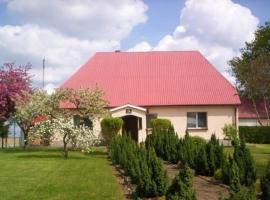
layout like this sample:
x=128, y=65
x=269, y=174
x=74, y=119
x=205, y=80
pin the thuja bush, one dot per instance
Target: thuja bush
x=214, y=154
x=160, y=124
x=110, y=127
x=165, y=143
x=265, y=183
x=245, y=162
x=182, y=187
x=141, y=165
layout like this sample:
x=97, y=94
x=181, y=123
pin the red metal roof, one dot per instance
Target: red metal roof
x=155, y=78
x=247, y=110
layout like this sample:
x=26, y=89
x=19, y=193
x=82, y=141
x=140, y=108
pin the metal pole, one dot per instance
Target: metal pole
x=43, y=73
x=14, y=133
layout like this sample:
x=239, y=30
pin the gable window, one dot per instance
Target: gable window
x=149, y=117
x=82, y=121
x=196, y=120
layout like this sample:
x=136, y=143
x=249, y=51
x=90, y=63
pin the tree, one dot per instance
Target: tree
x=3, y=132
x=265, y=183
x=64, y=103
x=28, y=106
x=13, y=82
x=181, y=188
x=252, y=70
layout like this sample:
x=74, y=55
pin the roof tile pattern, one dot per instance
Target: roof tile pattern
x=155, y=78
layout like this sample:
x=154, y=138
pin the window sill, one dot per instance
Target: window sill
x=197, y=129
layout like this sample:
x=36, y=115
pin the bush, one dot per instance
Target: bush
x=265, y=183
x=110, y=127
x=165, y=143
x=245, y=162
x=230, y=131
x=181, y=188
x=160, y=124
x=244, y=193
x=140, y=164
x=255, y=134
x=218, y=174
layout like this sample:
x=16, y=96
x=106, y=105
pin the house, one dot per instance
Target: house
x=248, y=115
x=181, y=86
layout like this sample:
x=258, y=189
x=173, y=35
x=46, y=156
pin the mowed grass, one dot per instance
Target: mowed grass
x=44, y=174
x=261, y=155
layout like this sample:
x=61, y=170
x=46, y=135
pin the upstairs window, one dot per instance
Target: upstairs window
x=196, y=120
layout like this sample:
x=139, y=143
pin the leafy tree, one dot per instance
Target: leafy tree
x=230, y=131
x=29, y=106
x=64, y=103
x=265, y=183
x=252, y=69
x=181, y=187
x=13, y=82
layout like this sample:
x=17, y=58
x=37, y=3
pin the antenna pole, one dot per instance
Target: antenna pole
x=43, y=73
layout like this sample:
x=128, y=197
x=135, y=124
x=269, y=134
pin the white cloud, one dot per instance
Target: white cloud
x=66, y=33
x=30, y=43
x=218, y=29
x=142, y=46
x=88, y=19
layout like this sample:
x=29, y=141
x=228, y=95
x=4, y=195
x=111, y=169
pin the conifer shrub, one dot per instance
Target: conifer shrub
x=182, y=186
x=110, y=127
x=245, y=193
x=265, y=183
x=245, y=162
x=165, y=143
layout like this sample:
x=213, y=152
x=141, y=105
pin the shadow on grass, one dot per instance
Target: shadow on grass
x=52, y=156
x=31, y=149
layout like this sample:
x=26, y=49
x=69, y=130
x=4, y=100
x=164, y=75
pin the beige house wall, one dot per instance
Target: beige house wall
x=217, y=117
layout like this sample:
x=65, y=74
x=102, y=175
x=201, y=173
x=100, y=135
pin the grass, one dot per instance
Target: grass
x=45, y=174
x=261, y=155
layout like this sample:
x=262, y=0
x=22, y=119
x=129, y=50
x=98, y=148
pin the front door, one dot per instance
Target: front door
x=131, y=126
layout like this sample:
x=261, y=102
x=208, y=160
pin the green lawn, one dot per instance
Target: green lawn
x=261, y=155
x=44, y=174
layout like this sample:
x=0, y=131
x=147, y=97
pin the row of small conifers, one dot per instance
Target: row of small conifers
x=142, y=163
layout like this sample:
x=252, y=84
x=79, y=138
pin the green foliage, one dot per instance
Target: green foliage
x=245, y=162
x=244, y=193
x=3, y=130
x=160, y=124
x=230, y=131
x=181, y=188
x=214, y=154
x=165, y=143
x=218, y=174
x=255, y=134
x=110, y=127
x=140, y=164
x=234, y=177
x=265, y=183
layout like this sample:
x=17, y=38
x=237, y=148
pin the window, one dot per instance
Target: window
x=196, y=120
x=82, y=121
x=149, y=117
x=140, y=123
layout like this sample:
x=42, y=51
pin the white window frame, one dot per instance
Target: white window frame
x=197, y=121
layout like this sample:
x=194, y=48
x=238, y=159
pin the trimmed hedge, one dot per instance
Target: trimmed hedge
x=110, y=126
x=255, y=134
x=160, y=124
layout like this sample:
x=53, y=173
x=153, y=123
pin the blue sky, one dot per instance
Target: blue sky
x=67, y=33
x=164, y=17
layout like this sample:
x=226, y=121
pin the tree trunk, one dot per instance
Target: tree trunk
x=65, y=146
x=256, y=110
x=266, y=110
x=2, y=142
